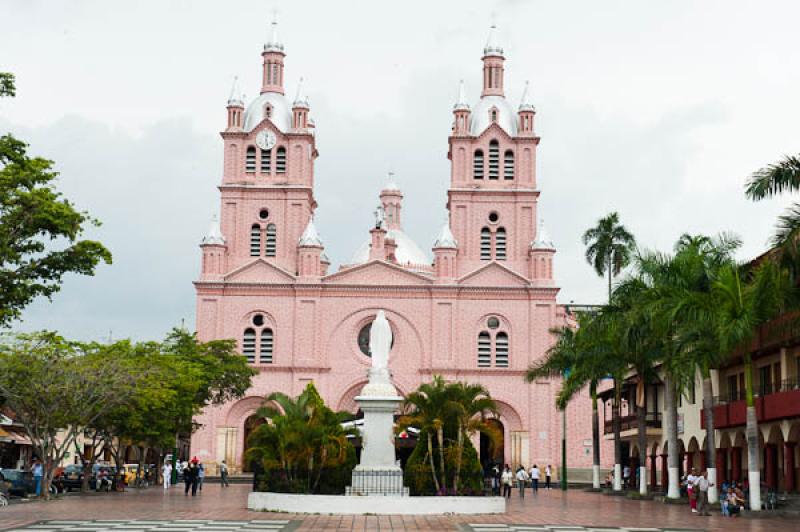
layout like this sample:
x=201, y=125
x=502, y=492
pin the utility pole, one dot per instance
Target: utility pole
x=564, y=449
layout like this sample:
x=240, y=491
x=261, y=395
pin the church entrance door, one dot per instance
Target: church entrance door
x=250, y=424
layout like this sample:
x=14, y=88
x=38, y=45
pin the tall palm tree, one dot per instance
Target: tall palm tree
x=742, y=306
x=772, y=180
x=610, y=247
x=471, y=405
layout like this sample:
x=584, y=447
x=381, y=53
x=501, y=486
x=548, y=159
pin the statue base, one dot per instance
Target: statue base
x=377, y=481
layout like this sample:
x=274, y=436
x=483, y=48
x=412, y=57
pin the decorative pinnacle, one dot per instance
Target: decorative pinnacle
x=525, y=103
x=492, y=48
x=274, y=43
x=461, y=104
x=236, y=97
x=300, y=99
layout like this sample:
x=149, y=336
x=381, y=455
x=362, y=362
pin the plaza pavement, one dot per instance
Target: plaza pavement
x=547, y=508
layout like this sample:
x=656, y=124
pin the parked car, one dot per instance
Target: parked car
x=72, y=477
x=20, y=483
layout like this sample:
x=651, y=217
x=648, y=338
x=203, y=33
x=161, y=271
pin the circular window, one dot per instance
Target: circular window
x=263, y=214
x=493, y=323
x=258, y=320
x=493, y=217
x=363, y=339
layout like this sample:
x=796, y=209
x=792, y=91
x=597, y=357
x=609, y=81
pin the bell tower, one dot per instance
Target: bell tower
x=493, y=197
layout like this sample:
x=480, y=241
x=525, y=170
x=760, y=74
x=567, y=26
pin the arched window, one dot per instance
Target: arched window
x=280, y=160
x=265, y=348
x=484, y=350
x=501, y=350
x=477, y=164
x=250, y=160
x=508, y=167
x=494, y=159
x=272, y=244
x=266, y=161
x=255, y=240
x=494, y=115
x=486, y=244
x=268, y=111
x=249, y=345
x=500, y=244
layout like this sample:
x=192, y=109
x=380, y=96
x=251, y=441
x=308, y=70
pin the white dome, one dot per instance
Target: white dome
x=407, y=250
x=506, y=117
x=281, y=112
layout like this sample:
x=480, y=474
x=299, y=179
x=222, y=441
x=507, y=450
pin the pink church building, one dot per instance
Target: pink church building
x=480, y=311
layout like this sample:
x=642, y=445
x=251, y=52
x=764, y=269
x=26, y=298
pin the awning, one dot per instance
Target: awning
x=17, y=436
x=4, y=436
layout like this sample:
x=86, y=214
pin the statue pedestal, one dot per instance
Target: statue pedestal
x=378, y=473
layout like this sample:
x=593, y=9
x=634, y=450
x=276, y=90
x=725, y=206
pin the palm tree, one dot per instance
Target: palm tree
x=470, y=404
x=742, y=306
x=610, y=247
x=427, y=409
x=783, y=176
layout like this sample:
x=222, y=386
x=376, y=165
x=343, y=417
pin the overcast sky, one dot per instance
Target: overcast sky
x=658, y=110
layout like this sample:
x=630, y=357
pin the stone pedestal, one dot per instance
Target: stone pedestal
x=378, y=473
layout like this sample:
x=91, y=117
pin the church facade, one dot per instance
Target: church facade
x=480, y=311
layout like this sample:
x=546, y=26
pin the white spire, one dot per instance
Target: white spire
x=492, y=48
x=391, y=184
x=525, y=103
x=310, y=237
x=300, y=99
x=214, y=236
x=323, y=257
x=461, y=103
x=542, y=240
x=445, y=238
x=236, y=97
x=274, y=43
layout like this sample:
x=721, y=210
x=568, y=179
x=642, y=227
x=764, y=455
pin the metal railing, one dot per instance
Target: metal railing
x=377, y=483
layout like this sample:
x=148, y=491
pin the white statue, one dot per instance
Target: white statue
x=380, y=341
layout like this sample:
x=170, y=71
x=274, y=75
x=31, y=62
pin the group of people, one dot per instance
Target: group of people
x=194, y=473
x=506, y=479
x=731, y=497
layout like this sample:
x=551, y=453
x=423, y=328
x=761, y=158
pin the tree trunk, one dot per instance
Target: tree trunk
x=616, y=422
x=595, y=437
x=711, y=445
x=459, y=457
x=440, y=438
x=140, y=465
x=641, y=419
x=433, y=465
x=671, y=428
x=751, y=433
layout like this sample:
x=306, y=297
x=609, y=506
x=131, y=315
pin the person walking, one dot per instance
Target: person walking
x=223, y=474
x=38, y=473
x=522, y=479
x=548, y=474
x=166, y=472
x=702, y=494
x=691, y=479
x=535, y=476
x=507, y=478
x=626, y=477
x=190, y=479
x=201, y=475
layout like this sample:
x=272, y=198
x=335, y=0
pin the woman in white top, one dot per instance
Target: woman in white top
x=507, y=478
x=535, y=475
x=548, y=473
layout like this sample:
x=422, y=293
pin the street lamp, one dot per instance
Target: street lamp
x=564, y=441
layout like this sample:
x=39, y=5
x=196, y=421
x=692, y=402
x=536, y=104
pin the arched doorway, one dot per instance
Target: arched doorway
x=492, y=453
x=250, y=424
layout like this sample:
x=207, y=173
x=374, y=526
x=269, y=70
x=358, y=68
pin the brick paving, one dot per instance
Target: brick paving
x=553, y=508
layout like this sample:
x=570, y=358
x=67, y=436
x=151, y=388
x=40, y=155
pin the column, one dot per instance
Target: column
x=664, y=473
x=788, y=465
x=736, y=464
x=770, y=450
x=653, y=464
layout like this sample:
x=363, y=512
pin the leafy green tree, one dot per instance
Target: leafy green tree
x=471, y=405
x=40, y=230
x=56, y=388
x=610, y=247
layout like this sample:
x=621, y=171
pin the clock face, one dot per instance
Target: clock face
x=265, y=139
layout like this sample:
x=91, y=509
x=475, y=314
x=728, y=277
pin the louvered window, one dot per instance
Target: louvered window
x=272, y=244
x=500, y=244
x=501, y=350
x=250, y=160
x=266, y=161
x=280, y=160
x=508, y=168
x=265, y=355
x=249, y=345
x=484, y=350
x=494, y=160
x=477, y=164
x=255, y=240
x=486, y=244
